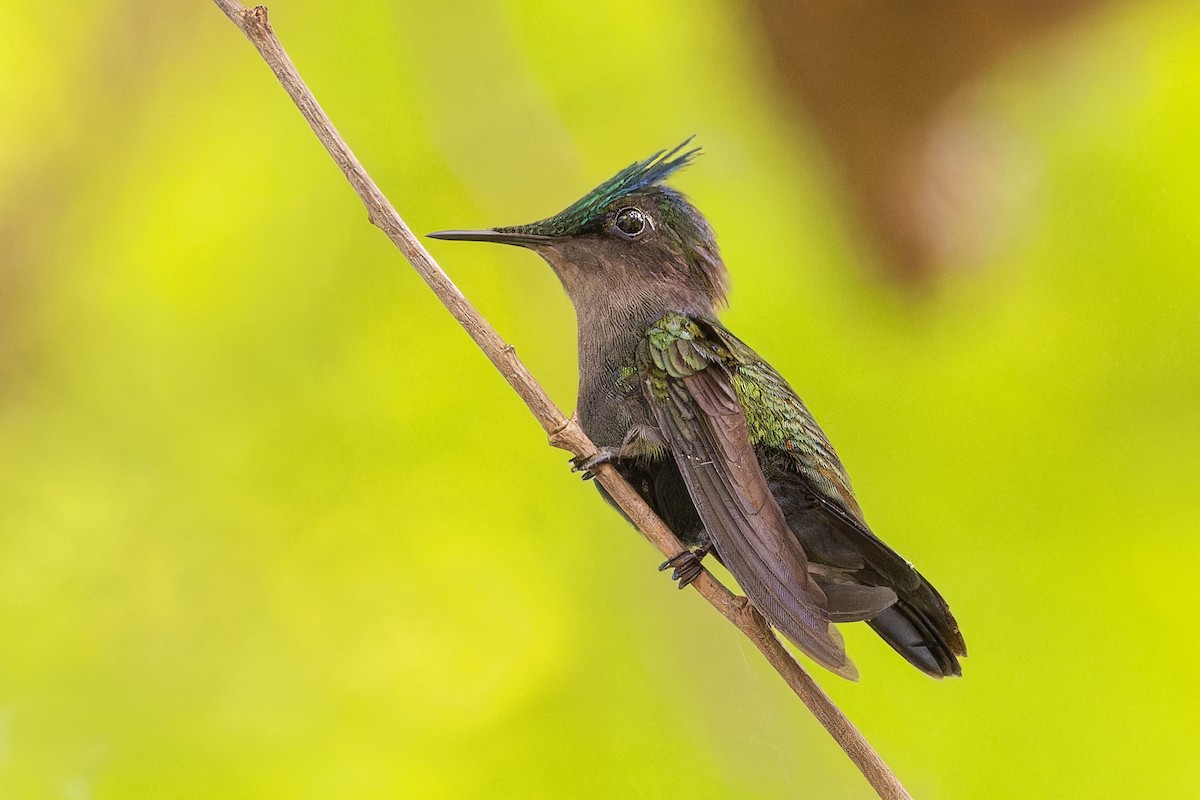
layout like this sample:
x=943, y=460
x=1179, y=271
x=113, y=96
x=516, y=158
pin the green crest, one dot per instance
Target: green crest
x=589, y=210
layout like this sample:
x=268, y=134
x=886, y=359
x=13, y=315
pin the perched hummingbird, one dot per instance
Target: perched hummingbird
x=710, y=435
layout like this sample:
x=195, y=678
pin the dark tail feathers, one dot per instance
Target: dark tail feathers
x=921, y=628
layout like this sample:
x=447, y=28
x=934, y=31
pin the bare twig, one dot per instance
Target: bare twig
x=563, y=432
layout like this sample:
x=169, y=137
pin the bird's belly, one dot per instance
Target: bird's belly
x=608, y=409
x=607, y=416
x=661, y=486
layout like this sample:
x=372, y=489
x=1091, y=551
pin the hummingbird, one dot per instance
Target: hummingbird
x=711, y=435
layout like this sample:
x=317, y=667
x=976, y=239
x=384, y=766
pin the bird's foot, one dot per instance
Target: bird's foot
x=686, y=566
x=586, y=465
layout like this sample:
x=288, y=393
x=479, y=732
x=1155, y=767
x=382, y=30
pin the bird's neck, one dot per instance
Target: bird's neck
x=610, y=393
x=610, y=330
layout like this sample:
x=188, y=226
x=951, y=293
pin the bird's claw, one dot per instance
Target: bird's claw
x=587, y=465
x=686, y=566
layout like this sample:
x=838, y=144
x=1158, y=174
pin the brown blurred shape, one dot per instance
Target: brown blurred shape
x=878, y=79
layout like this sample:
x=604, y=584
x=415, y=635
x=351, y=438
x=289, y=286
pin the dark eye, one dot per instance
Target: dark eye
x=631, y=222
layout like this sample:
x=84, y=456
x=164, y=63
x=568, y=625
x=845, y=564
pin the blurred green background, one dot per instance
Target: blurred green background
x=270, y=526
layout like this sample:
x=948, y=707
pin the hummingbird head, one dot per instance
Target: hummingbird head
x=628, y=247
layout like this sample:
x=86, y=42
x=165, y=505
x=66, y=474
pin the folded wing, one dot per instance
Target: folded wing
x=689, y=386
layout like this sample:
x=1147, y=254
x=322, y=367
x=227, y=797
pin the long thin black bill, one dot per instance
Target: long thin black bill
x=489, y=235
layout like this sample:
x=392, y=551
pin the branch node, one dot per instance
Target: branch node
x=558, y=436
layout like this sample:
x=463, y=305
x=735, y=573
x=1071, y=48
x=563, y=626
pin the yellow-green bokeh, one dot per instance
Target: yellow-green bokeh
x=270, y=526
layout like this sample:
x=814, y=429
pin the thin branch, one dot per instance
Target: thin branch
x=563, y=432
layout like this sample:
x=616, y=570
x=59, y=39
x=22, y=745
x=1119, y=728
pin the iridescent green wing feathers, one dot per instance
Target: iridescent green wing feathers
x=777, y=418
x=689, y=372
